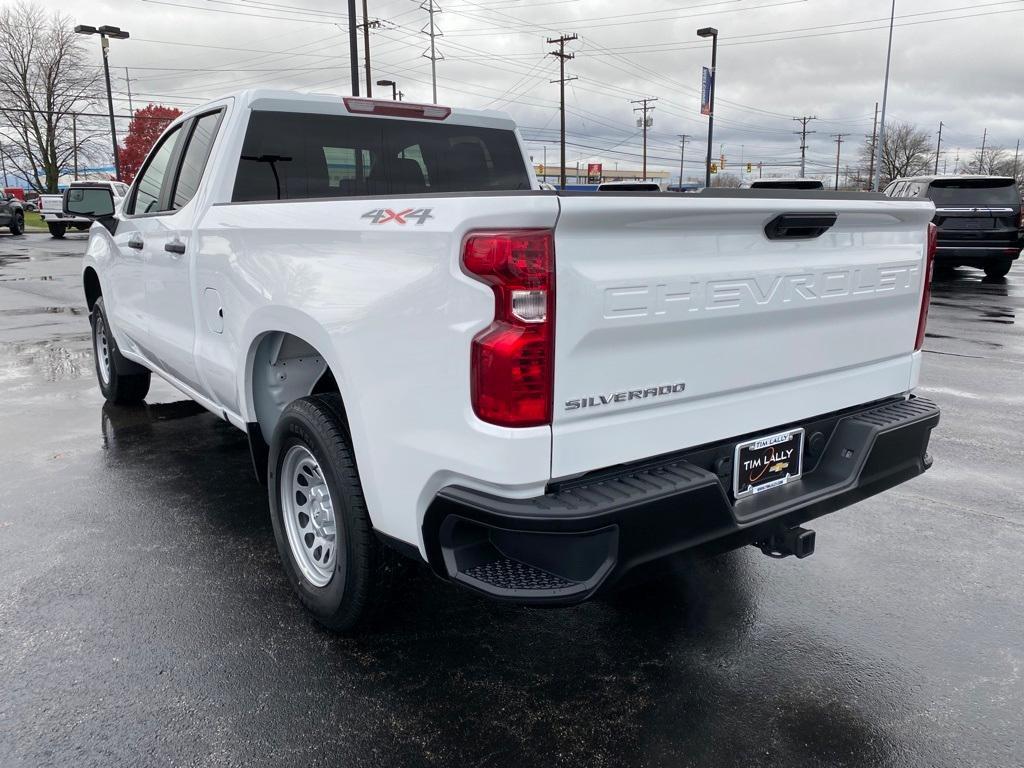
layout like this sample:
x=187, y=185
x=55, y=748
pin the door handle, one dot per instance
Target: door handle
x=175, y=246
x=135, y=242
x=799, y=226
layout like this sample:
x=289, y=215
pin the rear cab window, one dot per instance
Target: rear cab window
x=290, y=156
x=974, y=192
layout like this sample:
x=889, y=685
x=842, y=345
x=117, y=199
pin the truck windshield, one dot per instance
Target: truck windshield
x=1001, y=192
x=293, y=156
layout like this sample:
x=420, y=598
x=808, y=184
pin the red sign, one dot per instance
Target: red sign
x=594, y=169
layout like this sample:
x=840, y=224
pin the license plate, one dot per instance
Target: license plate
x=768, y=462
x=969, y=223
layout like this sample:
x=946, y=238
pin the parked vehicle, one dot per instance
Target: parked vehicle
x=629, y=186
x=12, y=214
x=51, y=208
x=783, y=183
x=979, y=219
x=430, y=355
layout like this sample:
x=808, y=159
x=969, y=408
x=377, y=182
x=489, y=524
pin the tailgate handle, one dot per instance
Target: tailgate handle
x=799, y=226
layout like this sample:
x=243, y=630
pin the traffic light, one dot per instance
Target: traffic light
x=750, y=167
x=540, y=169
x=714, y=167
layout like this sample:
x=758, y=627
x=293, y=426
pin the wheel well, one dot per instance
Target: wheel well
x=285, y=368
x=92, y=287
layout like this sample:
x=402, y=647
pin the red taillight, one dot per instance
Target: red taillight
x=926, y=292
x=396, y=108
x=512, y=360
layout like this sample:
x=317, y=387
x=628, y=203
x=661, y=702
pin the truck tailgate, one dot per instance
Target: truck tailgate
x=679, y=322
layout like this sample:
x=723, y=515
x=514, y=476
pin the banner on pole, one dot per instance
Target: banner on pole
x=707, y=78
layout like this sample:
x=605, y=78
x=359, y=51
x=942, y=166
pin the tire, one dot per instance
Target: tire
x=117, y=387
x=998, y=269
x=17, y=223
x=57, y=230
x=339, y=586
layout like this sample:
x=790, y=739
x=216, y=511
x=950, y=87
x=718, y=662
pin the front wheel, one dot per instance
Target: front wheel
x=57, y=230
x=118, y=388
x=998, y=269
x=322, y=528
x=17, y=226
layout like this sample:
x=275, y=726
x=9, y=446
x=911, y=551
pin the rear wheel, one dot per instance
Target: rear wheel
x=57, y=230
x=998, y=269
x=17, y=223
x=322, y=528
x=118, y=388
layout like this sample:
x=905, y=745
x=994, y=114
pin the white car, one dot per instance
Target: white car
x=536, y=394
x=783, y=183
x=51, y=207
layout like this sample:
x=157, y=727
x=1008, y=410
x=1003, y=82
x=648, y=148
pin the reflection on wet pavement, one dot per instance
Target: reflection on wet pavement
x=144, y=618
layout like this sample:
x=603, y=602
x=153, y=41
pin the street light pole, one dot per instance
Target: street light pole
x=713, y=34
x=394, y=87
x=885, y=95
x=106, y=32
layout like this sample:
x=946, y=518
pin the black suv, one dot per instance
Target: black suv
x=979, y=219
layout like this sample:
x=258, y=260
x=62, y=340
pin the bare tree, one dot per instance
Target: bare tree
x=725, y=180
x=995, y=162
x=47, y=82
x=907, y=151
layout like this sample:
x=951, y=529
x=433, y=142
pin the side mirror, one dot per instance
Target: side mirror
x=96, y=203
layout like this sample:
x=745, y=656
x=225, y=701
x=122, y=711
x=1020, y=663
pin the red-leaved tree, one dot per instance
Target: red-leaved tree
x=145, y=128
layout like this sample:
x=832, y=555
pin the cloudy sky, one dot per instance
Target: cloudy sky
x=955, y=61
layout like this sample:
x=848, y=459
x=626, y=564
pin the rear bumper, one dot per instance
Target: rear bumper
x=583, y=536
x=977, y=255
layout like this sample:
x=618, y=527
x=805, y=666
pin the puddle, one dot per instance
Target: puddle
x=52, y=361
x=43, y=311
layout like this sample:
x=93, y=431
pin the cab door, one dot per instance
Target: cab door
x=138, y=230
x=171, y=250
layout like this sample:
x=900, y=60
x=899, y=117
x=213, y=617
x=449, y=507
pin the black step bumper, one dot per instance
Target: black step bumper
x=588, y=534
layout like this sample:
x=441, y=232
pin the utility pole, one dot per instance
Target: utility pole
x=353, y=46
x=885, y=97
x=3, y=164
x=938, y=148
x=760, y=165
x=838, y=137
x=431, y=29
x=562, y=57
x=981, y=155
x=128, y=82
x=366, y=25
x=1016, y=154
x=644, y=110
x=874, y=138
x=803, y=139
x=683, y=138
x=74, y=141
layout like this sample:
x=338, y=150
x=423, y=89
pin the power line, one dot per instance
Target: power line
x=803, y=138
x=644, y=109
x=431, y=8
x=838, y=138
x=562, y=57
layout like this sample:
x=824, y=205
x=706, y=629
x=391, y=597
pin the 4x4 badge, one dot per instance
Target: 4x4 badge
x=384, y=215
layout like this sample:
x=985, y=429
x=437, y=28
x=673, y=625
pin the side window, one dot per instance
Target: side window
x=151, y=182
x=194, y=158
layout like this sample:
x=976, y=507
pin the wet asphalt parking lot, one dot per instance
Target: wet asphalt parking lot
x=144, y=618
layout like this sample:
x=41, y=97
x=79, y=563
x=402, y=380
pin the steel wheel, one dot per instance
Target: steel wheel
x=308, y=514
x=101, y=346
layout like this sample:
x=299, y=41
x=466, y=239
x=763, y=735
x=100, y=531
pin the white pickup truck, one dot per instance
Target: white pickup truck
x=51, y=208
x=541, y=395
